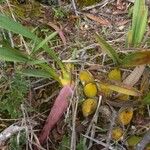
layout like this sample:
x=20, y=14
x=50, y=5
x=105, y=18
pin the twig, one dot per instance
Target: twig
x=102, y=4
x=145, y=140
x=74, y=114
x=98, y=142
x=112, y=123
x=74, y=7
x=94, y=119
x=8, y=132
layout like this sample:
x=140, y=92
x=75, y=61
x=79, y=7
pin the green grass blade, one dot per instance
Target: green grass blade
x=11, y=25
x=11, y=54
x=146, y=99
x=52, y=72
x=108, y=49
x=42, y=43
x=139, y=22
x=35, y=73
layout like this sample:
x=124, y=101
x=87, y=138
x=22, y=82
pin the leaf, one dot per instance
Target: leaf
x=146, y=99
x=125, y=115
x=99, y=20
x=136, y=58
x=134, y=76
x=40, y=45
x=59, y=30
x=114, y=75
x=89, y=107
x=106, y=48
x=58, y=109
x=11, y=54
x=104, y=89
x=11, y=25
x=139, y=21
x=35, y=73
x=123, y=89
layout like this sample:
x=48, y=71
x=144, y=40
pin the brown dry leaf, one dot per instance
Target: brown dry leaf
x=144, y=86
x=121, y=22
x=135, y=75
x=99, y=20
x=125, y=115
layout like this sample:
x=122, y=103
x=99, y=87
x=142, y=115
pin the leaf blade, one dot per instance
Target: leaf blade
x=108, y=49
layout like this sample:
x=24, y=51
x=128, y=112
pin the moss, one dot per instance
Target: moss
x=82, y=3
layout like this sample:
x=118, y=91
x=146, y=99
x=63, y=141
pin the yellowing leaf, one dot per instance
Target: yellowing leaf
x=85, y=77
x=136, y=58
x=125, y=115
x=117, y=133
x=115, y=75
x=90, y=90
x=66, y=78
x=123, y=97
x=103, y=88
x=89, y=107
x=124, y=90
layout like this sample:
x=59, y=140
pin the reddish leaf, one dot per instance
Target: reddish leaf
x=59, y=30
x=59, y=107
x=97, y=19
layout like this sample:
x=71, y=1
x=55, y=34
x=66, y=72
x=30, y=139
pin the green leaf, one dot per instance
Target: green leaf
x=52, y=72
x=136, y=58
x=11, y=25
x=35, y=73
x=108, y=49
x=42, y=43
x=11, y=54
x=139, y=22
x=146, y=99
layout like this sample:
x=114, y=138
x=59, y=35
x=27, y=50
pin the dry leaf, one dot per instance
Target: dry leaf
x=89, y=107
x=125, y=90
x=135, y=75
x=103, y=88
x=125, y=115
x=90, y=90
x=97, y=19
